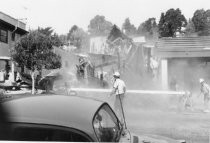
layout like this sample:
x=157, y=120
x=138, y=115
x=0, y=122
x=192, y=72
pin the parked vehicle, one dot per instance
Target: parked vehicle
x=66, y=118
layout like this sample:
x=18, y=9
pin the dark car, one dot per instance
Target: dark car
x=67, y=118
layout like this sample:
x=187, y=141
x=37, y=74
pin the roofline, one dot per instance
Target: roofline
x=12, y=17
x=13, y=24
x=5, y=58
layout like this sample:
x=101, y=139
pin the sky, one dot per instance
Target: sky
x=61, y=15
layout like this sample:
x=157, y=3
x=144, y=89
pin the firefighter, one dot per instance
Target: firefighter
x=81, y=68
x=187, y=100
x=119, y=90
x=205, y=90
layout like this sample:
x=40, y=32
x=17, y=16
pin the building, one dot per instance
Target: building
x=11, y=29
x=98, y=45
x=183, y=60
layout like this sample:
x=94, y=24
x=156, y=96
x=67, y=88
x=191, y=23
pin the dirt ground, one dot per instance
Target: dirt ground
x=160, y=115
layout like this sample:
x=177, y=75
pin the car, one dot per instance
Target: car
x=67, y=118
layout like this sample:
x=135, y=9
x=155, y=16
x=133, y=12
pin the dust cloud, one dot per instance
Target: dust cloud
x=153, y=113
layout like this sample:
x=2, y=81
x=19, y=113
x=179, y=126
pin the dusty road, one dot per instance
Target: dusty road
x=156, y=114
x=146, y=114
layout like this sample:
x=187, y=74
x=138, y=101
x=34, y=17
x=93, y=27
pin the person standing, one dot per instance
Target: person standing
x=119, y=90
x=205, y=90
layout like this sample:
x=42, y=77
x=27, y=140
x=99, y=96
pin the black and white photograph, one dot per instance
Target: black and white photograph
x=133, y=71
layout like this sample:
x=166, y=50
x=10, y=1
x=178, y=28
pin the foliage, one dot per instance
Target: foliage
x=56, y=41
x=118, y=39
x=63, y=38
x=115, y=33
x=69, y=35
x=201, y=21
x=78, y=37
x=129, y=28
x=171, y=22
x=190, y=28
x=148, y=28
x=99, y=26
x=35, y=51
x=48, y=31
x=161, y=27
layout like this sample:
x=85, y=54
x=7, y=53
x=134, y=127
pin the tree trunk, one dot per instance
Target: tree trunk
x=33, y=82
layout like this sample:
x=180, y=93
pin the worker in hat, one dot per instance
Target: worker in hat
x=119, y=90
x=205, y=90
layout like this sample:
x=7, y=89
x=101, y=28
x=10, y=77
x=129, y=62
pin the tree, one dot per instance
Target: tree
x=190, y=28
x=115, y=33
x=161, y=27
x=148, y=28
x=171, y=22
x=63, y=38
x=201, y=21
x=141, y=29
x=56, y=41
x=78, y=37
x=48, y=31
x=69, y=35
x=99, y=26
x=34, y=51
x=129, y=28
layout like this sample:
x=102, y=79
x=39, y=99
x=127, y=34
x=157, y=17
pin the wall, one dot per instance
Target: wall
x=98, y=45
x=4, y=47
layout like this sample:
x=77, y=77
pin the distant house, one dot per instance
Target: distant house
x=98, y=45
x=183, y=58
x=11, y=29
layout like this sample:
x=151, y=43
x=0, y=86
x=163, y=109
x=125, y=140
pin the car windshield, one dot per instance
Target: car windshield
x=106, y=125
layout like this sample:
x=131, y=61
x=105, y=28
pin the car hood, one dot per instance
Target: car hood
x=133, y=138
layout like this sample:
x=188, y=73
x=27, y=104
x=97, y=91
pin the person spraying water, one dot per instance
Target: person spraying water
x=119, y=90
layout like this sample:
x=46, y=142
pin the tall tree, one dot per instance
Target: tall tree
x=190, y=28
x=63, y=38
x=201, y=21
x=141, y=29
x=78, y=37
x=99, y=26
x=56, y=40
x=69, y=35
x=161, y=25
x=34, y=51
x=48, y=31
x=129, y=28
x=115, y=33
x=148, y=28
x=171, y=22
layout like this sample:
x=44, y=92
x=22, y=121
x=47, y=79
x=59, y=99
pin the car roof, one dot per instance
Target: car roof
x=68, y=111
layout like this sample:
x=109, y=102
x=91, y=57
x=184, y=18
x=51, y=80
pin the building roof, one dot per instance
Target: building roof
x=5, y=58
x=69, y=111
x=183, y=47
x=12, y=23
